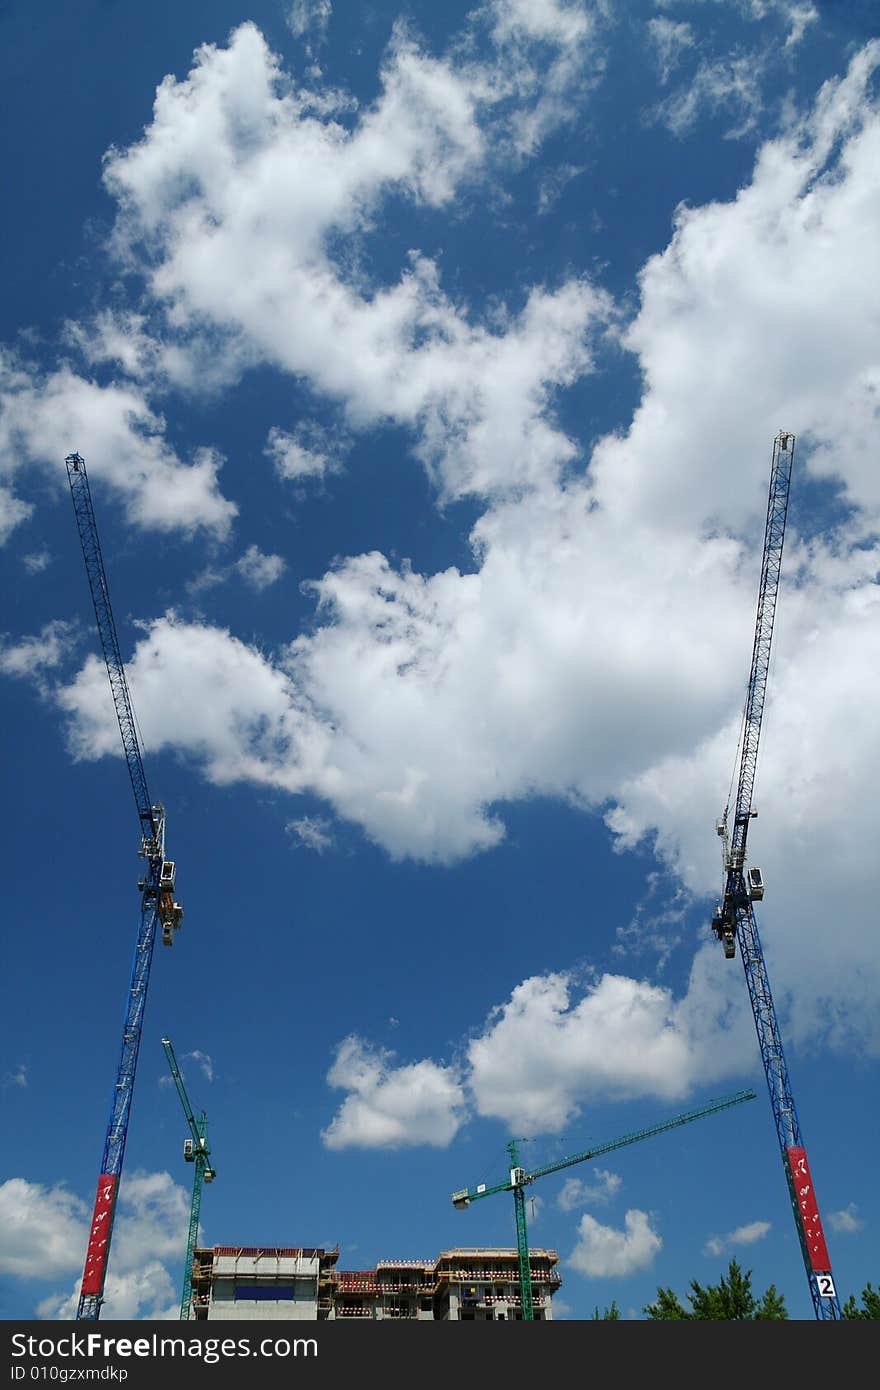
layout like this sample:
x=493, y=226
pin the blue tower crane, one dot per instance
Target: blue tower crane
x=734, y=918
x=197, y=1152
x=156, y=886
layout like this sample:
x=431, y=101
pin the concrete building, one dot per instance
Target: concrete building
x=294, y=1283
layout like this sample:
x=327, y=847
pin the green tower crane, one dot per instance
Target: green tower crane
x=195, y=1151
x=520, y=1179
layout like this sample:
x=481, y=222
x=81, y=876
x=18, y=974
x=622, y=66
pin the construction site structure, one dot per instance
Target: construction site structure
x=290, y=1283
x=519, y=1179
x=197, y=1152
x=158, y=903
x=734, y=917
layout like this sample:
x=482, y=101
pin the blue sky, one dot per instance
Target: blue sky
x=427, y=362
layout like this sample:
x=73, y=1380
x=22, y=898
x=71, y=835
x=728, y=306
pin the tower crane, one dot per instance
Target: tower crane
x=519, y=1180
x=158, y=903
x=734, y=918
x=196, y=1151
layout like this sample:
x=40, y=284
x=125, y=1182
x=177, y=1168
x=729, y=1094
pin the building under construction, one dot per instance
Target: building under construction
x=289, y=1282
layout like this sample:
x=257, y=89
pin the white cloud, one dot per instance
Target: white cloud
x=312, y=832
x=44, y=1233
x=260, y=570
x=237, y=188
x=44, y=1230
x=545, y=1052
x=205, y=1063
x=743, y=1235
x=552, y=1047
x=732, y=83
x=670, y=38
x=18, y=1077
x=557, y=22
x=603, y=636
x=45, y=417
x=309, y=17
x=13, y=511
x=36, y=562
x=233, y=700
x=30, y=657
x=602, y=1252
x=553, y=182
x=309, y=452
x=577, y=1193
x=147, y=1293
x=800, y=17
x=391, y=1107
x=847, y=1221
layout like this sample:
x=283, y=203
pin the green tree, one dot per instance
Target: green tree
x=611, y=1314
x=870, y=1304
x=731, y=1300
x=667, y=1308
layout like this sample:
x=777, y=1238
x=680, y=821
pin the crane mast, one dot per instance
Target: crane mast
x=520, y=1179
x=156, y=886
x=734, y=918
x=196, y=1151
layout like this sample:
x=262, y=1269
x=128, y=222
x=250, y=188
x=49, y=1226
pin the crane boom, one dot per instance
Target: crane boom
x=520, y=1179
x=198, y=1153
x=91, y=546
x=181, y=1090
x=734, y=918
x=157, y=902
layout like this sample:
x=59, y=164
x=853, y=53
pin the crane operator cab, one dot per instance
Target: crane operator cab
x=756, y=885
x=170, y=912
x=723, y=929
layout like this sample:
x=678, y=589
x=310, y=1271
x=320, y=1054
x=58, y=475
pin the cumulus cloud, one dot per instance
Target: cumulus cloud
x=743, y=1235
x=44, y=1233
x=577, y=1193
x=390, y=1107
x=602, y=1252
x=45, y=1229
x=551, y=1046
x=31, y=657
x=13, y=511
x=597, y=650
x=146, y=1293
x=233, y=197
x=847, y=1221
x=260, y=570
x=43, y=415
x=310, y=451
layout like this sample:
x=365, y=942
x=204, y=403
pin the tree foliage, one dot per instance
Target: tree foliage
x=730, y=1300
x=611, y=1314
x=870, y=1304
